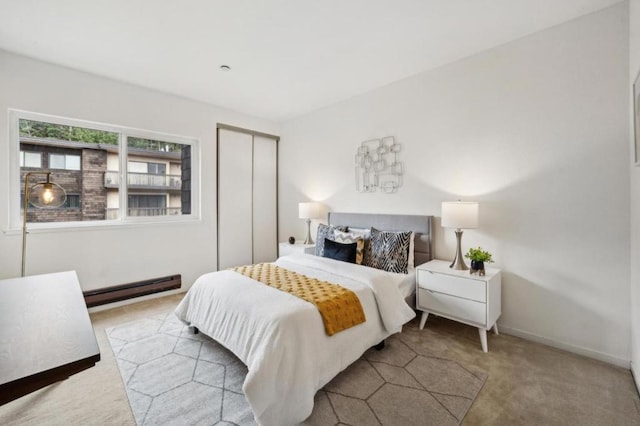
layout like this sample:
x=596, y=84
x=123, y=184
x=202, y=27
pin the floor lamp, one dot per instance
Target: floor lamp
x=459, y=215
x=43, y=195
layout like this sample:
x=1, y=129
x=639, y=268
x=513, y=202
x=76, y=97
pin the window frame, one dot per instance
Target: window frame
x=22, y=158
x=65, y=207
x=65, y=157
x=122, y=220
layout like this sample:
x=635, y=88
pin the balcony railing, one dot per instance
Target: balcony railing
x=143, y=180
x=112, y=214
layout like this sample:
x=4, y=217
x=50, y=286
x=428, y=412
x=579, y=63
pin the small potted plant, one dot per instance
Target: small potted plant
x=478, y=257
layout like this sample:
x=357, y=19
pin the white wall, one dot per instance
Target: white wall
x=110, y=256
x=537, y=132
x=634, y=69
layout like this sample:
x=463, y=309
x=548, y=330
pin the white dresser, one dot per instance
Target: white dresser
x=286, y=248
x=458, y=295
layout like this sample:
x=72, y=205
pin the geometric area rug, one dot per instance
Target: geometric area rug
x=174, y=377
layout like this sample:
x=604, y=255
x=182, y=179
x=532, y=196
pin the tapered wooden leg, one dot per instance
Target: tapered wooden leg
x=423, y=319
x=483, y=339
x=495, y=328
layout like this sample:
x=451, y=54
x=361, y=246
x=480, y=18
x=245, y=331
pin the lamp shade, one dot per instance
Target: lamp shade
x=460, y=214
x=309, y=210
x=47, y=195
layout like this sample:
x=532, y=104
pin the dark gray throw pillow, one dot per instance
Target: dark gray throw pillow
x=325, y=231
x=389, y=251
x=346, y=252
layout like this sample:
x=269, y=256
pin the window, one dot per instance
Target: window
x=72, y=201
x=137, y=167
x=30, y=159
x=148, y=168
x=64, y=161
x=147, y=205
x=157, y=168
x=110, y=173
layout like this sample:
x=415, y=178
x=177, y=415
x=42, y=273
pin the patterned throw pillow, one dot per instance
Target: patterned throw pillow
x=325, y=231
x=389, y=251
x=351, y=237
x=365, y=233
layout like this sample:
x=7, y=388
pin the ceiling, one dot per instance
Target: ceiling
x=288, y=57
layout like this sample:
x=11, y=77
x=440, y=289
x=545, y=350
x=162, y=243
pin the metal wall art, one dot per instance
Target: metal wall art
x=378, y=166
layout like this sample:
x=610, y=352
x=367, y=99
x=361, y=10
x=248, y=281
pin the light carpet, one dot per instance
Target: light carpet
x=173, y=376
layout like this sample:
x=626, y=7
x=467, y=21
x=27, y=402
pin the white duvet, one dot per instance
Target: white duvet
x=281, y=338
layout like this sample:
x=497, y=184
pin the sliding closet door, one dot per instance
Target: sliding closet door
x=247, y=198
x=235, y=199
x=265, y=199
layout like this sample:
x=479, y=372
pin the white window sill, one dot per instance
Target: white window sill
x=37, y=228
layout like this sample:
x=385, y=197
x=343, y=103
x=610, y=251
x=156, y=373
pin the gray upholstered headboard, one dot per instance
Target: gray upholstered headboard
x=421, y=225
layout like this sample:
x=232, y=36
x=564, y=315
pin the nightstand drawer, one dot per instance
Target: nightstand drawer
x=464, y=309
x=455, y=286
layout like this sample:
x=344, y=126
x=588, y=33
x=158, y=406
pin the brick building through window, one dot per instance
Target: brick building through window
x=90, y=174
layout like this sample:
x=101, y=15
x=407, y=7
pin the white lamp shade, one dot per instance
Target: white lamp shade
x=309, y=210
x=460, y=214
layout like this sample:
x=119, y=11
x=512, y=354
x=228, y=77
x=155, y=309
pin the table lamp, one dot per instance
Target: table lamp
x=43, y=195
x=309, y=211
x=459, y=215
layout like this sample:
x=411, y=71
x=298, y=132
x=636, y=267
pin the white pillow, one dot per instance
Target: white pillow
x=412, y=247
x=351, y=237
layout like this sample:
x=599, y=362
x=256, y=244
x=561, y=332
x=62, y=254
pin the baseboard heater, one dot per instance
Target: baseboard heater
x=117, y=293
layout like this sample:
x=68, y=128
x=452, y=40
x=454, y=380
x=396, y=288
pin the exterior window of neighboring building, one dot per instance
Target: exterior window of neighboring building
x=148, y=168
x=157, y=168
x=72, y=202
x=30, y=159
x=64, y=161
x=86, y=160
x=147, y=205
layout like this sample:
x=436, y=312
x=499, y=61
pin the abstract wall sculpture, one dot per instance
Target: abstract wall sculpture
x=378, y=166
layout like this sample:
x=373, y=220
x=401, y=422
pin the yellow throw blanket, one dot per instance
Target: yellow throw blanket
x=339, y=307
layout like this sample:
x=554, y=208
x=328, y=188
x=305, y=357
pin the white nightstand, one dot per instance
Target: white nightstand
x=286, y=248
x=460, y=296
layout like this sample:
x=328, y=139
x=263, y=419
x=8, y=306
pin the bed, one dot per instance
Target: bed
x=281, y=338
